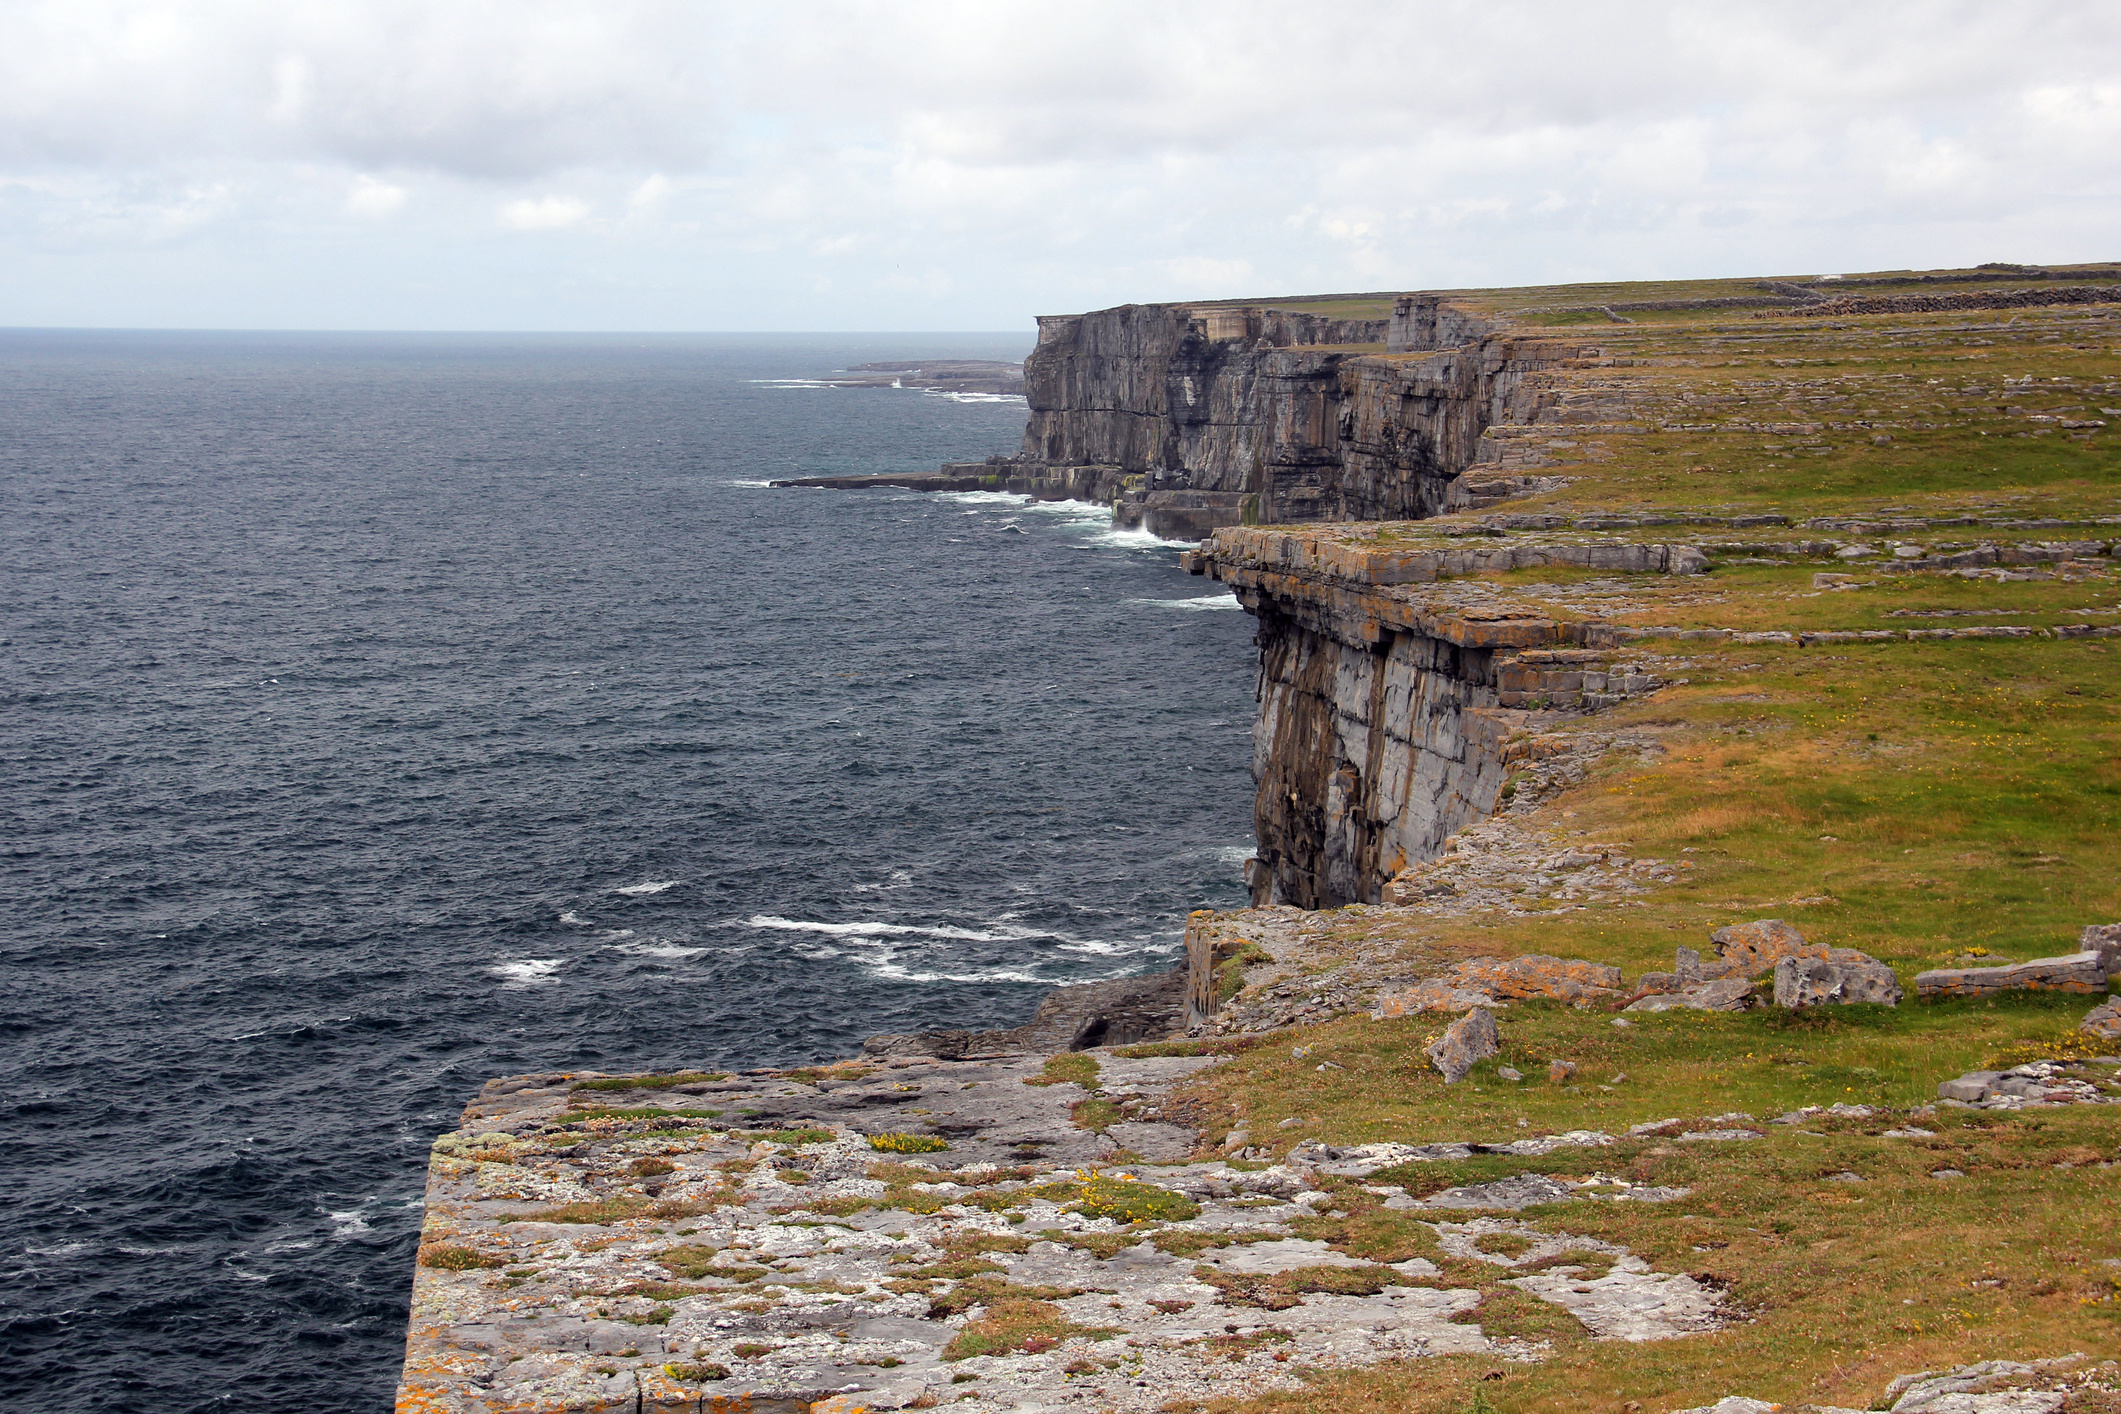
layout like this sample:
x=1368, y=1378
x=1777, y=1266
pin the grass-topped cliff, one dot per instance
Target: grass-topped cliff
x=1929, y=800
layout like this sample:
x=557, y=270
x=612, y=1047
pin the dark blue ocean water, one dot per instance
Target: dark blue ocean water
x=384, y=713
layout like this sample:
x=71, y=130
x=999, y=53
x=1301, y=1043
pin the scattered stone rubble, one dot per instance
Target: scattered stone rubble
x=2096, y=1081
x=591, y=1245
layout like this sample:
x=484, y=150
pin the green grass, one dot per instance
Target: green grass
x=896, y=1143
x=650, y=1082
x=1071, y=1068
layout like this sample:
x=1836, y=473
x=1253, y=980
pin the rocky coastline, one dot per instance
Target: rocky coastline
x=1623, y=1016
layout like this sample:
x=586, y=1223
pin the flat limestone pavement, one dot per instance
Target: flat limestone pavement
x=681, y=1243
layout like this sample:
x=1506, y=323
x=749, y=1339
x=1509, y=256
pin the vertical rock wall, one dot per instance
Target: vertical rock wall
x=1188, y=419
x=1368, y=755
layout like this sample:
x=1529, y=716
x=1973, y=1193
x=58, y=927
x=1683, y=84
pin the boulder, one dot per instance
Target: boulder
x=1433, y=995
x=1727, y=994
x=1483, y=981
x=2104, y=1020
x=1688, y=969
x=1464, y=1044
x=2105, y=940
x=2078, y=972
x=1971, y=1088
x=1533, y=975
x=1754, y=948
x=1842, y=977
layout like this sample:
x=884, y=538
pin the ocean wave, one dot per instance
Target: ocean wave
x=659, y=947
x=653, y=886
x=747, y=482
x=874, y=930
x=955, y=397
x=527, y=971
x=570, y=916
x=1206, y=601
x=892, y=972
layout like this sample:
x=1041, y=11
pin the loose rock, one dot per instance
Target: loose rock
x=1464, y=1044
x=2076, y=972
x=1754, y=948
x=1844, y=977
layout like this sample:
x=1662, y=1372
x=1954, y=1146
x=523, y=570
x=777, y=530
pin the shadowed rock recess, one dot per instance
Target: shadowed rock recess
x=1625, y=654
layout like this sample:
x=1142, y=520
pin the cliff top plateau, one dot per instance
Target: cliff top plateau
x=1689, y=777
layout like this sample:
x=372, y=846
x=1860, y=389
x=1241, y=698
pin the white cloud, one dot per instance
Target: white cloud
x=374, y=199
x=547, y=213
x=962, y=164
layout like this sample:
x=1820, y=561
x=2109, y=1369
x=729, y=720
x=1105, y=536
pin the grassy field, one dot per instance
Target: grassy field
x=1920, y=801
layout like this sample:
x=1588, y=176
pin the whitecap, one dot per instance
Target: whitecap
x=748, y=483
x=1097, y=949
x=570, y=916
x=1206, y=601
x=791, y=383
x=347, y=1224
x=860, y=931
x=527, y=971
x=892, y=972
x=64, y=1249
x=659, y=947
x=653, y=886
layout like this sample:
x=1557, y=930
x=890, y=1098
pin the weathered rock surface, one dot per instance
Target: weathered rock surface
x=1485, y=981
x=2105, y=940
x=1842, y=978
x=1754, y=948
x=1119, y=1012
x=1726, y=994
x=2036, y=1083
x=2076, y=972
x=1464, y=1044
x=617, y=1248
x=2104, y=1020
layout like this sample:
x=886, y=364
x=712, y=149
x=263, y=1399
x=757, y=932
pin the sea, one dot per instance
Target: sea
x=383, y=713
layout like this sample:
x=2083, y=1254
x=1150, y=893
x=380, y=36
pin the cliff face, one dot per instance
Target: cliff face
x=1394, y=705
x=1188, y=419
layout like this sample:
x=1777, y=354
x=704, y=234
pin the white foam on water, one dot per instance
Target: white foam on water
x=976, y=397
x=653, y=886
x=612, y=934
x=527, y=971
x=892, y=972
x=1206, y=601
x=984, y=498
x=875, y=930
x=1097, y=949
x=570, y=916
x=791, y=383
x=659, y=947
x=1236, y=854
x=64, y=1249
x=347, y=1224
x=747, y=483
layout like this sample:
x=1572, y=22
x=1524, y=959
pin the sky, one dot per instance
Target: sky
x=640, y=165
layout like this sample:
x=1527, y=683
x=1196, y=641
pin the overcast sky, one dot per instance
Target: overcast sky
x=598, y=164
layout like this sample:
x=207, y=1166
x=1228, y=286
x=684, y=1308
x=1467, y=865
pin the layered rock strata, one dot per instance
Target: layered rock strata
x=1387, y=698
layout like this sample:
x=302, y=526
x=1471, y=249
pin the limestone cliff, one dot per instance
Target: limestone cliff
x=1187, y=417
x=1392, y=702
